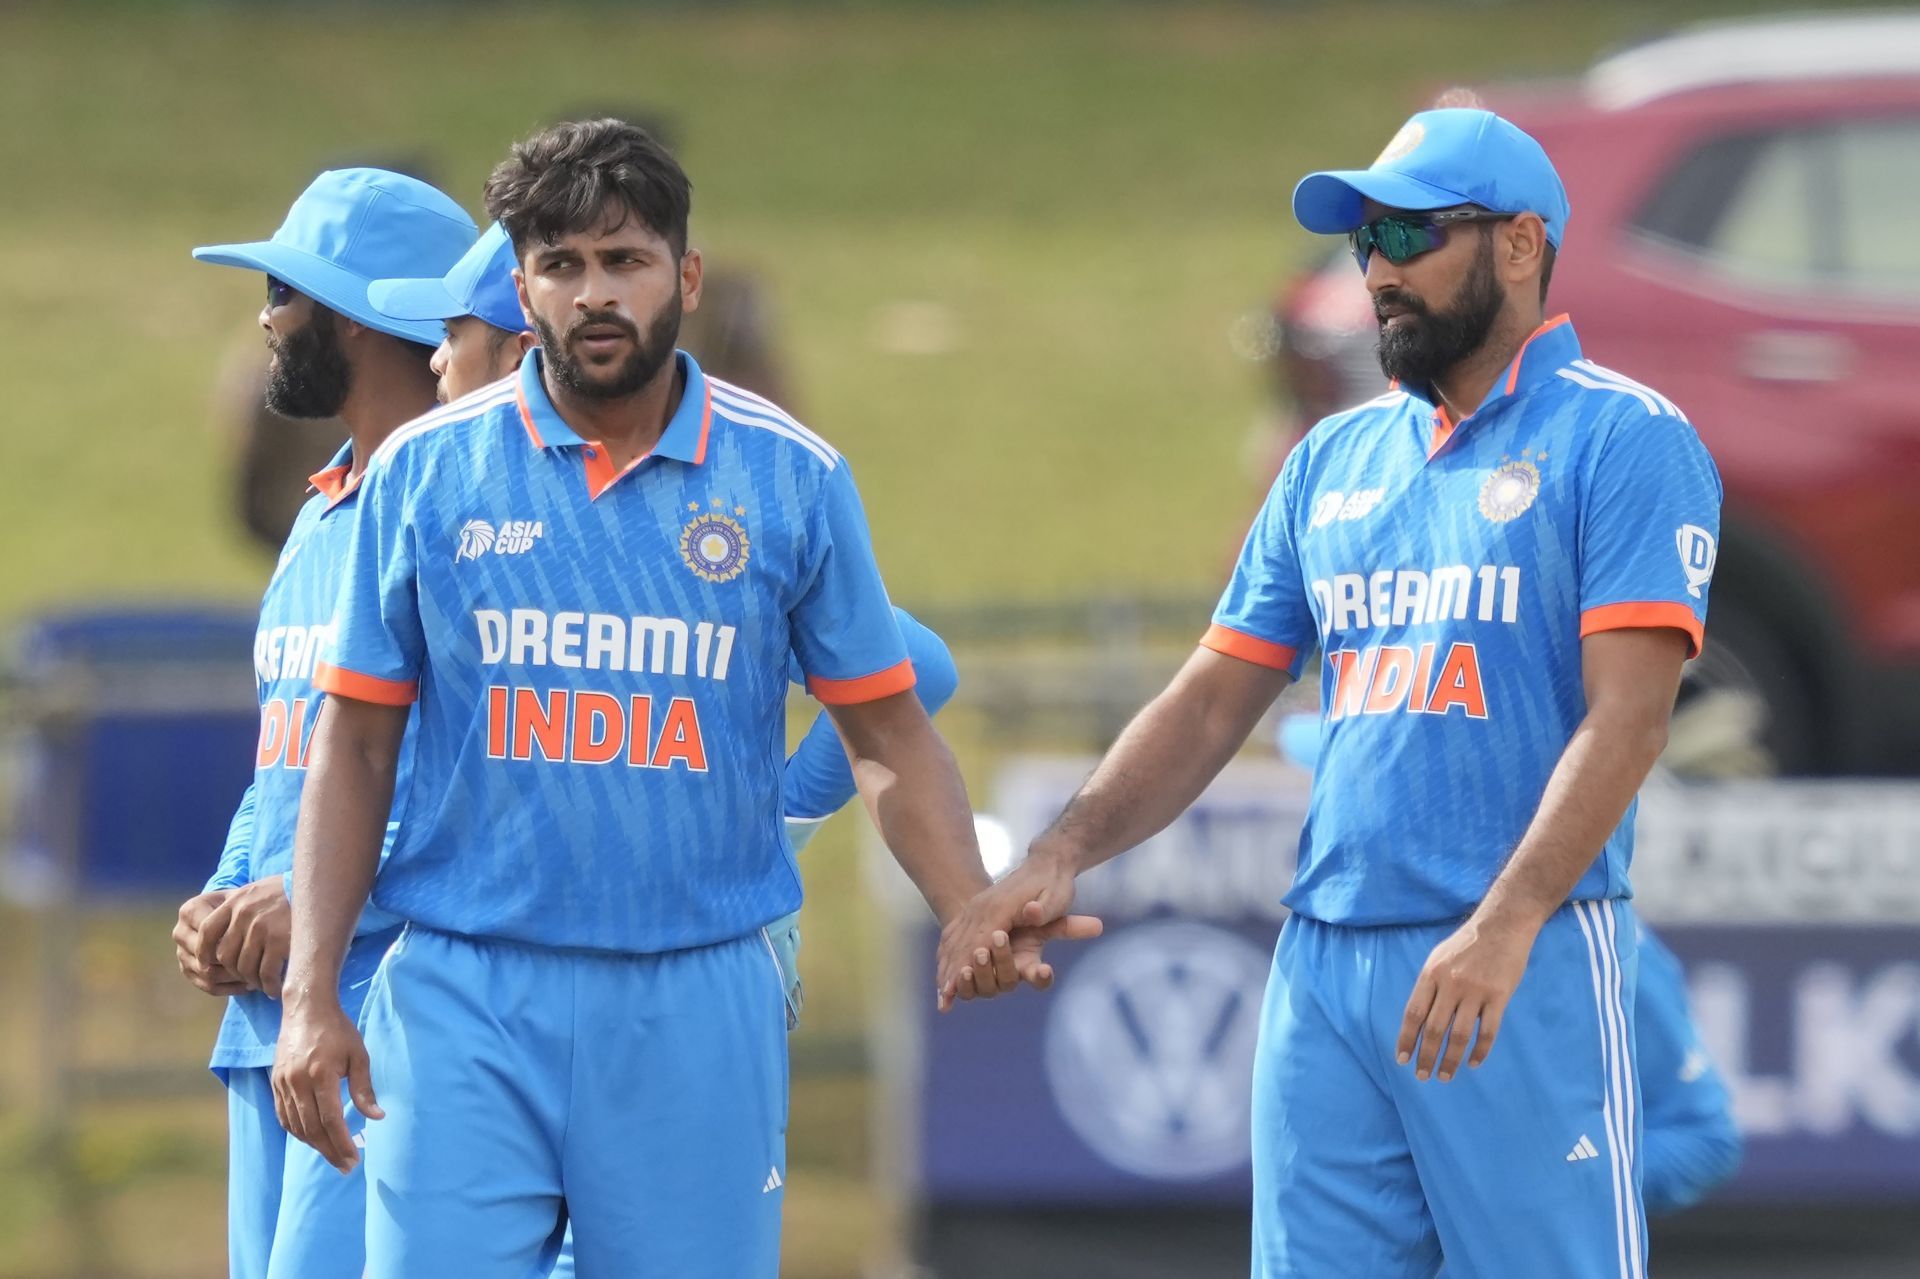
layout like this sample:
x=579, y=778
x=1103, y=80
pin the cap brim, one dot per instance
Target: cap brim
x=414, y=300
x=334, y=288
x=1333, y=203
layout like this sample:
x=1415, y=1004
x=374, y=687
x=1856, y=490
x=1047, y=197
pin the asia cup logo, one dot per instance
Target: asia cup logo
x=1510, y=488
x=715, y=546
x=476, y=539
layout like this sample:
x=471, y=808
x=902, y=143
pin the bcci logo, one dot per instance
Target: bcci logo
x=1509, y=490
x=715, y=547
x=477, y=537
x=1149, y=1049
x=1411, y=135
x=1697, y=554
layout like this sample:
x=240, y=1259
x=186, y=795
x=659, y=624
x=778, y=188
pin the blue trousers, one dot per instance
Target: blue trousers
x=638, y=1099
x=1526, y=1166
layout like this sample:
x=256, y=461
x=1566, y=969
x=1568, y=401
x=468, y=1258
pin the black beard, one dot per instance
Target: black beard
x=309, y=377
x=649, y=355
x=1425, y=345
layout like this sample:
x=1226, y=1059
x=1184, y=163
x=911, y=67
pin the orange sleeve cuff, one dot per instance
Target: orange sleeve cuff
x=868, y=688
x=1248, y=648
x=364, y=688
x=1648, y=616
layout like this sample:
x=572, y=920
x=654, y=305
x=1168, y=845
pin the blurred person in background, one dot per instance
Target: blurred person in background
x=332, y=355
x=1505, y=559
x=584, y=1006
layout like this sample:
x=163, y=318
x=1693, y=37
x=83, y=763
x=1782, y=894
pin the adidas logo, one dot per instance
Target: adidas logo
x=1582, y=1149
x=773, y=1182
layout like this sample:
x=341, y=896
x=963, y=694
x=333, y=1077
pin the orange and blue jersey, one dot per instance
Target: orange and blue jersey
x=295, y=627
x=1448, y=573
x=599, y=660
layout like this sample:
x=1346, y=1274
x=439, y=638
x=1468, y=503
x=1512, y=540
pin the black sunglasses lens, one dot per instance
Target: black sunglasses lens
x=278, y=294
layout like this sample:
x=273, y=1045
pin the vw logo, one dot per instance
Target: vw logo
x=1149, y=1049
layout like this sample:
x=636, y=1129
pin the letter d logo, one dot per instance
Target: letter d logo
x=1697, y=553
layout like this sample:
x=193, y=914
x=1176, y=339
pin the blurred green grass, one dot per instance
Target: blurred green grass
x=1089, y=196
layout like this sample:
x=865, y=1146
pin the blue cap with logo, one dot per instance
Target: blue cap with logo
x=480, y=285
x=1441, y=159
x=351, y=227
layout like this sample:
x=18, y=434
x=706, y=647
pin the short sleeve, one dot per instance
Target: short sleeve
x=378, y=644
x=236, y=854
x=843, y=628
x=1649, y=531
x=1266, y=614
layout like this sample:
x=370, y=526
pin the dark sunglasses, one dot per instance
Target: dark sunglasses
x=279, y=293
x=1402, y=237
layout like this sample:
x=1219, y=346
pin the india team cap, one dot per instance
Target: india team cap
x=351, y=227
x=1438, y=160
x=480, y=285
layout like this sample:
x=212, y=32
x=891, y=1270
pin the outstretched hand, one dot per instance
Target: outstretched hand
x=996, y=940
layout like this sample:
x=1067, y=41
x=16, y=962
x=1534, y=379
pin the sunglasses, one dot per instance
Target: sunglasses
x=279, y=293
x=1402, y=237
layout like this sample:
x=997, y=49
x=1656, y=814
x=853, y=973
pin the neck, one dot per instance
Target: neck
x=384, y=394
x=1465, y=387
x=628, y=426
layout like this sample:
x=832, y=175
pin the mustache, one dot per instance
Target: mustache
x=1399, y=298
x=606, y=319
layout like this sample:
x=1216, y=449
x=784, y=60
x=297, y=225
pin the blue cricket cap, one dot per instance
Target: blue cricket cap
x=351, y=227
x=480, y=285
x=1438, y=160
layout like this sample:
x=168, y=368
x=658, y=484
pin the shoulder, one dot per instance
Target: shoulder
x=1602, y=393
x=758, y=425
x=447, y=425
x=1362, y=419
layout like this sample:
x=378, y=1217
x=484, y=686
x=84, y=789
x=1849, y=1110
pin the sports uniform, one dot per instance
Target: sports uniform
x=585, y=1008
x=289, y=1214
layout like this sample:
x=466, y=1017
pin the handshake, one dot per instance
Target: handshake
x=994, y=942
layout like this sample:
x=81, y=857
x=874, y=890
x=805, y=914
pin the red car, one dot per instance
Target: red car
x=1745, y=237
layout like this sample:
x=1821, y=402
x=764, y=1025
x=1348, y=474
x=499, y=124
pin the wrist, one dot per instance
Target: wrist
x=1054, y=855
x=1510, y=915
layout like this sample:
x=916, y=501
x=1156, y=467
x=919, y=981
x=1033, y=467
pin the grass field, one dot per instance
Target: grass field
x=1089, y=195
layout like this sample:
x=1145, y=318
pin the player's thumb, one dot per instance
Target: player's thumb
x=360, y=1086
x=1074, y=928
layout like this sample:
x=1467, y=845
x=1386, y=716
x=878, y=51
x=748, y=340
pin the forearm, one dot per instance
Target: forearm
x=343, y=820
x=1162, y=762
x=913, y=791
x=1603, y=766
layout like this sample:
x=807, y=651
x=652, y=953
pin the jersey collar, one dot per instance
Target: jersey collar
x=685, y=438
x=1547, y=350
x=336, y=480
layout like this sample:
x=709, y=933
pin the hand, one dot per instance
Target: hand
x=319, y=1047
x=255, y=931
x=1468, y=979
x=189, y=945
x=994, y=943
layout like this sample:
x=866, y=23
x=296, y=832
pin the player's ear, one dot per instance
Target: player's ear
x=527, y=340
x=1522, y=243
x=691, y=268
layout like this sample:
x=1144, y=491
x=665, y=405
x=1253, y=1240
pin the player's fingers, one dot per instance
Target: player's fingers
x=964, y=986
x=1004, y=970
x=1416, y=1014
x=247, y=956
x=213, y=929
x=1433, y=1033
x=1073, y=928
x=360, y=1086
x=336, y=1142
x=1465, y=1019
x=986, y=974
x=281, y=1108
x=1489, y=1031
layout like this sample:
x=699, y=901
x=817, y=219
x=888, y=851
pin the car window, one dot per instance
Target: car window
x=1800, y=207
x=1876, y=166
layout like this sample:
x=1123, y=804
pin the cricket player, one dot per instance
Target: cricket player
x=1504, y=561
x=333, y=354
x=590, y=578
x=479, y=302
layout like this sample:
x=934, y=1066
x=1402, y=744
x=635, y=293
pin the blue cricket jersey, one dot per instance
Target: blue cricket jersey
x=1448, y=572
x=600, y=660
x=295, y=627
